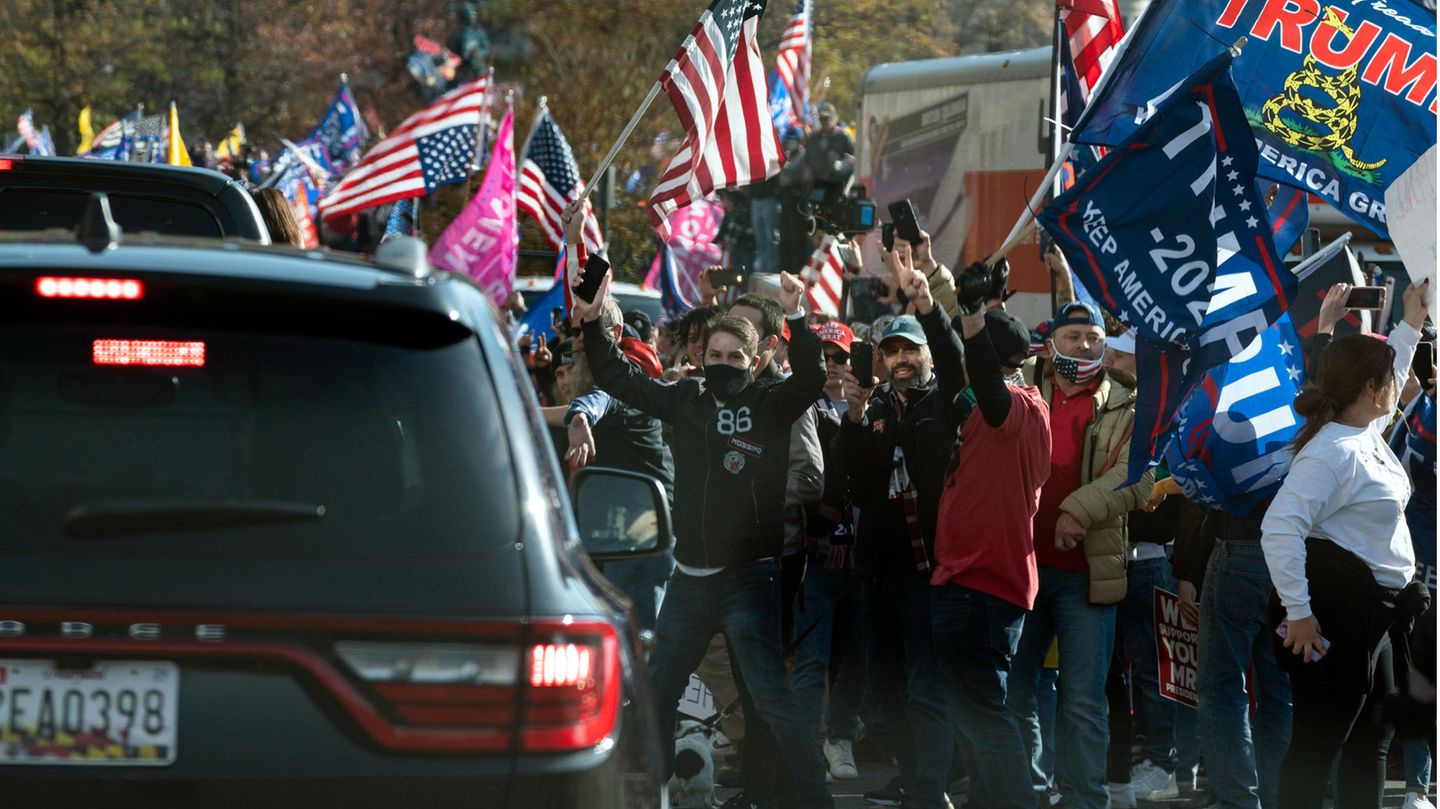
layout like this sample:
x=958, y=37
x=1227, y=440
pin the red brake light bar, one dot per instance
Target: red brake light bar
x=172, y=353
x=107, y=289
x=7, y=163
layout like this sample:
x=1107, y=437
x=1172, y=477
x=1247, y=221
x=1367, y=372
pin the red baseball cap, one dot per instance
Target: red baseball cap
x=835, y=332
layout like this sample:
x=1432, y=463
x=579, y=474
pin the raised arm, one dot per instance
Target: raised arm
x=803, y=387
x=986, y=379
x=945, y=347
x=614, y=374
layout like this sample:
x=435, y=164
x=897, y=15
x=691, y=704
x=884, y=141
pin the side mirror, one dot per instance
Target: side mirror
x=620, y=514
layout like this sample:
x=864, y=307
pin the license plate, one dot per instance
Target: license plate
x=116, y=712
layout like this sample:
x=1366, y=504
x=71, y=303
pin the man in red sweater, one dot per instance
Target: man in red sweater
x=985, y=578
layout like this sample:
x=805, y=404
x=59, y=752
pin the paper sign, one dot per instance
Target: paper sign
x=1176, y=650
x=1410, y=212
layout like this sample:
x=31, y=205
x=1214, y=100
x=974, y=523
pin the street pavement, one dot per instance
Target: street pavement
x=874, y=774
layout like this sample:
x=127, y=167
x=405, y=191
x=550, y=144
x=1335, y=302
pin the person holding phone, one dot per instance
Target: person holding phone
x=729, y=512
x=892, y=448
x=1339, y=551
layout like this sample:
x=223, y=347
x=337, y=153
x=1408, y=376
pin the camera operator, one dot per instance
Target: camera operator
x=829, y=152
x=985, y=577
x=729, y=506
x=893, y=447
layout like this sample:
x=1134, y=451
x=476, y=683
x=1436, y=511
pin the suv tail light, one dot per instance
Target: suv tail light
x=573, y=679
x=561, y=694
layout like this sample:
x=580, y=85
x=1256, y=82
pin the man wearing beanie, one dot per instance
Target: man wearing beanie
x=985, y=577
x=1080, y=551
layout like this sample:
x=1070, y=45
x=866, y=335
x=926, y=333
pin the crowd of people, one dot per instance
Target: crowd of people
x=922, y=542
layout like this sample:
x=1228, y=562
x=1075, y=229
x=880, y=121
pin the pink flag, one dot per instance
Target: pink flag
x=692, y=244
x=483, y=242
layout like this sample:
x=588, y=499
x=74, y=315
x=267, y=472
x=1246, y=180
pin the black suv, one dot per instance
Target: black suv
x=283, y=528
x=37, y=193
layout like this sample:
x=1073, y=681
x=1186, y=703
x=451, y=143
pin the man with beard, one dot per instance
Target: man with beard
x=893, y=447
x=1080, y=546
x=728, y=513
x=602, y=429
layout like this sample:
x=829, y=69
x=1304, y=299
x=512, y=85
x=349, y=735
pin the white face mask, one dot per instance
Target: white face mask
x=1016, y=378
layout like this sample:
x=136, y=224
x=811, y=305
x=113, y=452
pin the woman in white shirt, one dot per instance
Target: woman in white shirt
x=1339, y=551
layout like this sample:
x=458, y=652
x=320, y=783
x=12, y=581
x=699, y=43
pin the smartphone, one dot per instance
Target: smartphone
x=1366, y=298
x=887, y=236
x=721, y=278
x=907, y=227
x=862, y=362
x=590, y=278
x=1424, y=363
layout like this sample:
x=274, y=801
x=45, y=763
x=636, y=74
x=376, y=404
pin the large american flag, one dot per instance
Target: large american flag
x=792, y=61
x=433, y=147
x=717, y=84
x=550, y=179
x=824, y=274
x=1093, y=31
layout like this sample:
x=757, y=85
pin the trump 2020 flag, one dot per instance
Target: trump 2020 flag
x=1340, y=96
x=1169, y=233
x=1231, y=443
x=484, y=241
x=341, y=131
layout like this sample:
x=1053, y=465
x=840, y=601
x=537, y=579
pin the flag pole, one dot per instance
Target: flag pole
x=624, y=136
x=1056, y=133
x=476, y=158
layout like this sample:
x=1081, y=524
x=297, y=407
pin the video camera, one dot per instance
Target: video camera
x=978, y=283
x=838, y=207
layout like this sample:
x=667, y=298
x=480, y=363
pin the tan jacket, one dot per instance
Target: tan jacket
x=1096, y=505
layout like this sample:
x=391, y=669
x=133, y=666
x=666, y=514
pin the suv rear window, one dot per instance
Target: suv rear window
x=402, y=446
x=44, y=208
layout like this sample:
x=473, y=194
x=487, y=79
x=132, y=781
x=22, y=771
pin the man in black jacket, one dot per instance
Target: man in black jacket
x=728, y=514
x=894, y=446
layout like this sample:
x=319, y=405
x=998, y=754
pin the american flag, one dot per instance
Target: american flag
x=1093, y=31
x=549, y=180
x=716, y=83
x=792, y=62
x=433, y=147
x=823, y=274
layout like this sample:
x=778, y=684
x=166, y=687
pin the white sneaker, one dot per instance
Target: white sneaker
x=1152, y=783
x=840, y=755
x=1122, y=796
x=1414, y=800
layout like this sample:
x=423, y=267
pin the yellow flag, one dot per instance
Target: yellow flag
x=178, y=154
x=232, y=143
x=87, y=134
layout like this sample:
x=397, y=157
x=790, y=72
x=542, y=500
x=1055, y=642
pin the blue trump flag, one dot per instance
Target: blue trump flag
x=1171, y=236
x=782, y=110
x=340, y=133
x=1230, y=446
x=1340, y=98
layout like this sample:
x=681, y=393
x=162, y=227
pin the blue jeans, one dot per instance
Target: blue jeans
x=899, y=608
x=743, y=602
x=765, y=221
x=1243, y=767
x=1160, y=718
x=1416, y=753
x=976, y=635
x=1087, y=641
x=831, y=608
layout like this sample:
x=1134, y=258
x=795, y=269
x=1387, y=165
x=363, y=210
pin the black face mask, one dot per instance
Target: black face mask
x=726, y=381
